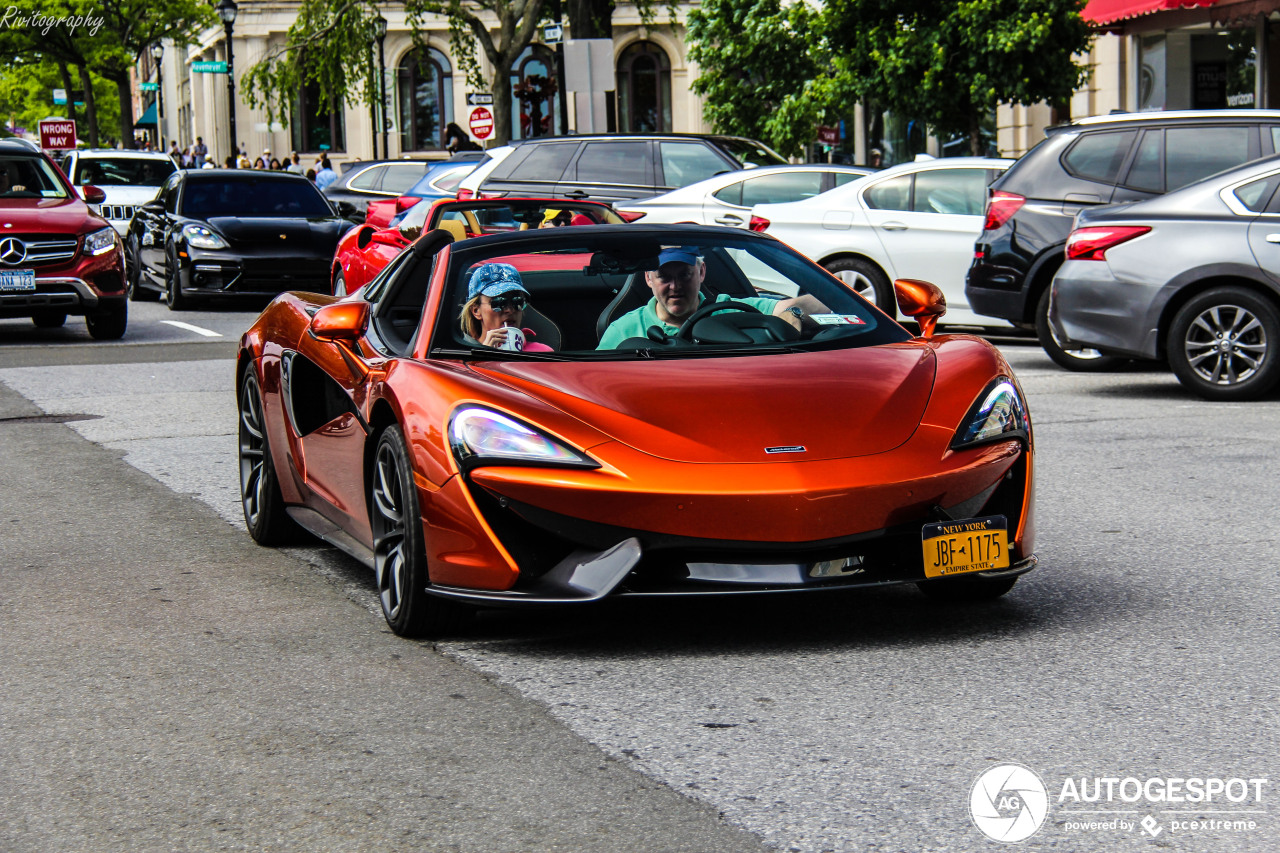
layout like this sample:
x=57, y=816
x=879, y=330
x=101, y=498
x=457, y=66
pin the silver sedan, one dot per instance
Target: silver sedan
x=1192, y=277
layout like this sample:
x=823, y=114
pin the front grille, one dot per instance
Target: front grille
x=42, y=250
x=117, y=211
x=275, y=276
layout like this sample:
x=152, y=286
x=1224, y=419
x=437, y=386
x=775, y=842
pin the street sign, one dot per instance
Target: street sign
x=552, y=34
x=60, y=96
x=479, y=99
x=57, y=134
x=209, y=67
x=828, y=135
x=481, y=123
x=149, y=87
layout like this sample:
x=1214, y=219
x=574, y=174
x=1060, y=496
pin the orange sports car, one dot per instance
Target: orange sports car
x=565, y=415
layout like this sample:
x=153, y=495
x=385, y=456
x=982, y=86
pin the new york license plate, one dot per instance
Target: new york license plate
x=966, y=545
x=17, y=280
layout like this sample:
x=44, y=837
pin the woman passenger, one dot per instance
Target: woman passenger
x=496, y=299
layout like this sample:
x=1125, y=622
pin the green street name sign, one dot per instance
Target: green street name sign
x=209, y=67
x=149, y=87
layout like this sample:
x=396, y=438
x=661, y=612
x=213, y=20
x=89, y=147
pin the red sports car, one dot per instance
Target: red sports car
x=572, y=414
x=364, y=251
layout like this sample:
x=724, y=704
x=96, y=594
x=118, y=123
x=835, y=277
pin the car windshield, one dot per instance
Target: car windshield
x=751, y=154
x=476, y=218
x=123, y=171
x=592, y=293
x=29, y=177
x=249, y=196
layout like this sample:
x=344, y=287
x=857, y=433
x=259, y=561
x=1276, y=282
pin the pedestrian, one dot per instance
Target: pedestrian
x=325, y=174
x=209, y=162
x=259, y=163
x=188, y=162
x=875, y=158
x=311, y=175
x=199, y=151
x=456, y=139
x=244, y=162
x=275, y=165
x=295, y=164
x=230, y=162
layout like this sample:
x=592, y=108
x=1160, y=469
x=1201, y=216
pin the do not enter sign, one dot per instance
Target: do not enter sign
x=481, y=123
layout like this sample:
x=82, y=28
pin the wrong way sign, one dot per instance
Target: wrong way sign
x=481, y=123
x=57, y=135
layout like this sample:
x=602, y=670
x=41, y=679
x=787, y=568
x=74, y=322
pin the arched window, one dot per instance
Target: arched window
x=424, y=86
x=535, y=95
x=644, y=89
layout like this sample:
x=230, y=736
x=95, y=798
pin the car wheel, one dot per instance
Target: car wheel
x=260, y=498
x=399, y=553
x=1220, y=344
x=49, y=319
x=339, y=284
x=1078, y=360
x=173, y=286
x=133, y=281
x=866, y=278
x=962, y=589
x=108, y=324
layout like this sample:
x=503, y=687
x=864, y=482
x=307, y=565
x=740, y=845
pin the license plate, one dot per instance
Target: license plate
x=13, y=280
x=966, y=545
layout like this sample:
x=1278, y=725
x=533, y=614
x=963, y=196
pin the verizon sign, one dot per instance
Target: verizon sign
x=58, y=135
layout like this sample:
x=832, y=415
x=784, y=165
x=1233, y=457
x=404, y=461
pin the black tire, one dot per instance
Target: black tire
x=399, y=553
x=264, y=511
x=134, y=287
x=868, y=279
x=339, y=284
x=173, y=286
x=108, y=324
x=49, y=319
x=966, y=589
x=1078, y=360
x=1223, y=344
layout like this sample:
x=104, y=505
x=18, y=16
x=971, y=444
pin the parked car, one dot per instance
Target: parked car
x=1090, y=162
x=1192, y=277
x=619, y=167
x=727, y=199
x=232, y=232
x=377, y=179
x=469, y=187
x=913, y=220
x=740, y=455
x=363, y=252
x=57, y=257
x=440, y=181
x=128, y=178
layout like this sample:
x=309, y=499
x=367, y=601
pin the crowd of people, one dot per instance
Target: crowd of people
x=198, y=156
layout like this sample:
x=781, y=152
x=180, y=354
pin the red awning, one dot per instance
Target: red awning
x=1110, y=11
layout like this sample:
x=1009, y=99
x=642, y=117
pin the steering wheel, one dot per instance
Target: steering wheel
x=686, y=330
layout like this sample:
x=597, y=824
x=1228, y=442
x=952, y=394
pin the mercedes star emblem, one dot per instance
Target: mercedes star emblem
x=12, y=251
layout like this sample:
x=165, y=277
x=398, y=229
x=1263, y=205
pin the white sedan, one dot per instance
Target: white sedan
x=727, y=198
x=914, y=220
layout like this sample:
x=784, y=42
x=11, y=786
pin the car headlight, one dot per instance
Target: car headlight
x=203, y=237
x=998, y=414
x=482, y=436
x=100, y=242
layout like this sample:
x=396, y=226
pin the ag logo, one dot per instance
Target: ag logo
x=1008, y=803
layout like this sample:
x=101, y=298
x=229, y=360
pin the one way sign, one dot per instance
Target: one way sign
x=57, y=135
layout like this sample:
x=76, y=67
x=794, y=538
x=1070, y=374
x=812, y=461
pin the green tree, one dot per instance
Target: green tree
x=756, y=55
x=26, y=96
x=951, y=62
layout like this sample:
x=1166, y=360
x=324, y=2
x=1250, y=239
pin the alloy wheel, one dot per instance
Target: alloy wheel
x=253, y=478
x=389, y=533
x=1225, y=344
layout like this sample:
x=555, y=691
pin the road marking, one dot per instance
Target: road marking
x=191, y=328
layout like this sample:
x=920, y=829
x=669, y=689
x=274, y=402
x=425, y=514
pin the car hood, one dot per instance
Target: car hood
x=264, y=230
x=129, y=195
x=806, y=406
x=47, y=216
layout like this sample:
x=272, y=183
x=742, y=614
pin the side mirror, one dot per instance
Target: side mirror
x=921, y=301
x=347, y=210
x=156, y=208
x=92, y=194
x=340, y=321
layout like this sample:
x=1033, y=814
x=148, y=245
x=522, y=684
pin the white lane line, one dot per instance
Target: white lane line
x=190, y=328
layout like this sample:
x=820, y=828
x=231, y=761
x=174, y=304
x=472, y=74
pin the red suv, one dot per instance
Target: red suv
x=57, y=257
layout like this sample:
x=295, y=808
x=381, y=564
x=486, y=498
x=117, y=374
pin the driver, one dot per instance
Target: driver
x=676, y=286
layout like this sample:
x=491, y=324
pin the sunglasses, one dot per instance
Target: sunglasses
x=502, y=303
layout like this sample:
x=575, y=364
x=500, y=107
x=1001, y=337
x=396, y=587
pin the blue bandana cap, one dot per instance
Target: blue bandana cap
x=493, y=280
x=683, y=254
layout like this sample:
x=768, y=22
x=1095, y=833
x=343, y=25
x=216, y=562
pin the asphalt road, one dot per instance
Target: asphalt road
x=1145, y=647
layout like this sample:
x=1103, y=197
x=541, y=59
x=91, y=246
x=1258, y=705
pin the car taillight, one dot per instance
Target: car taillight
x=1091, y=244
x=632, y=215
x=758, y=224
x=1000, y=207
x=465, y=195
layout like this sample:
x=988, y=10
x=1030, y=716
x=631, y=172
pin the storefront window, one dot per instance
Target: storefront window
x=535, y=91
x=1223, y=69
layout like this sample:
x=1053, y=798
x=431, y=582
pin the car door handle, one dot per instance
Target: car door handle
x=1273, y=238
x=576, y=194
x=894, y=226
x=729, y=219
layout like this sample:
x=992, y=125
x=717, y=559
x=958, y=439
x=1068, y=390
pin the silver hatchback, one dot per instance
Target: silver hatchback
x=1192, y=277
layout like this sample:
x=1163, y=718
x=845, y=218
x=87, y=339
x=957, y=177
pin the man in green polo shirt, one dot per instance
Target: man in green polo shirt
x=677, y=286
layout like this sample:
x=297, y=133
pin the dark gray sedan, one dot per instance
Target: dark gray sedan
x=1192, y=277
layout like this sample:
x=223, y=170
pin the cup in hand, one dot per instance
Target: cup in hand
x=514, y=340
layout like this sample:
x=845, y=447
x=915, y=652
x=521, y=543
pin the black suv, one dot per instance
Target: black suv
x=1090, y=162
x=620, y=167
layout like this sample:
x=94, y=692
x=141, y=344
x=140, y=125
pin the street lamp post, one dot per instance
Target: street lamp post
x=157, y=53
x=380, y=30
x=227, y=10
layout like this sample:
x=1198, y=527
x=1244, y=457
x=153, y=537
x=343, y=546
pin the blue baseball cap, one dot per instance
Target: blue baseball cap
x=683, y=254
x=493, y=280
